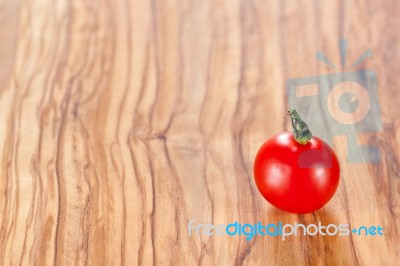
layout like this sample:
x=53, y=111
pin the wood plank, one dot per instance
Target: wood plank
x=121, y=121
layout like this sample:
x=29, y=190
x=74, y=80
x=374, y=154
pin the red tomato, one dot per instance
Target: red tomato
x=294, y=177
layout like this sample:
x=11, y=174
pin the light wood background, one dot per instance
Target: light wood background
x=122, y=120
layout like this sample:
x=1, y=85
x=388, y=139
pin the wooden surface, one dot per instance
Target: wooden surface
x=122, y=120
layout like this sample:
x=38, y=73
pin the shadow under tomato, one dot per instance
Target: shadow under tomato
x=313, y=248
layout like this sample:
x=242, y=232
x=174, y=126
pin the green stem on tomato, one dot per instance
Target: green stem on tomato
x=300, y=129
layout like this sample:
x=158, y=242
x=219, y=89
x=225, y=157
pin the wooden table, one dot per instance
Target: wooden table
x=121, y=121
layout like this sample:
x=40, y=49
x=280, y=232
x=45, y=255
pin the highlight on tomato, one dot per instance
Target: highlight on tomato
x=296, y=172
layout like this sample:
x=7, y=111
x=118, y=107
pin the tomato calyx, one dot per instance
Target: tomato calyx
x=302, y=133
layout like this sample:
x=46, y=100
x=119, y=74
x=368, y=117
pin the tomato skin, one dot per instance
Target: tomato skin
x=296, y=178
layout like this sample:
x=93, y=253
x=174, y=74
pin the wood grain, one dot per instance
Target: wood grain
x=122, y=120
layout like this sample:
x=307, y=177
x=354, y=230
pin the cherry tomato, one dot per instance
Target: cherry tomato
x=296, y=177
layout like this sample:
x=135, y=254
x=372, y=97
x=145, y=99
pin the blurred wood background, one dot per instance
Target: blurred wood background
x=122, y=120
